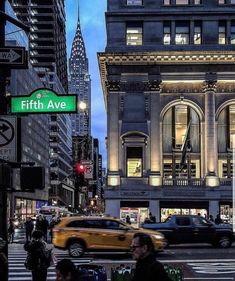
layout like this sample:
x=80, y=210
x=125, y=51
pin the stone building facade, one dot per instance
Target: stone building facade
x=168, y=82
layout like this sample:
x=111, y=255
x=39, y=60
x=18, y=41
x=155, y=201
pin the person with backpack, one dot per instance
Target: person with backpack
x=38, y=257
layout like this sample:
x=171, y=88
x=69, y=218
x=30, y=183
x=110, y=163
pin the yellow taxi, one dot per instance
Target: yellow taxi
x=81, y=234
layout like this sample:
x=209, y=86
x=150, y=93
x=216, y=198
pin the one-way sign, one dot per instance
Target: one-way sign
x=14, y=57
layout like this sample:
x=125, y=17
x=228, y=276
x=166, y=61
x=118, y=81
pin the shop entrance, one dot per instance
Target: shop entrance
x=138, y=211
x=137, y=215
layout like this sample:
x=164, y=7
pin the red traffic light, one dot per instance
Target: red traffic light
x=80, y=168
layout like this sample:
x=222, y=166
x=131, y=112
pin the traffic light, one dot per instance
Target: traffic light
x=80, y=168
x=32, y=178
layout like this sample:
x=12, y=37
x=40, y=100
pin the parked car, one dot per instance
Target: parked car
x=81, y=234
x=179, y=229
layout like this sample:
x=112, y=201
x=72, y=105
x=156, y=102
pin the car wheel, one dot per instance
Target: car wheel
x=224, y=242
x=76, y=249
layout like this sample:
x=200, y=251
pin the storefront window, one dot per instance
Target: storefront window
x=226, y=213
x=137, y=215
x=166, y=212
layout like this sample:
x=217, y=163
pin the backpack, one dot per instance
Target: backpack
x=46, y=257
x=36, y=261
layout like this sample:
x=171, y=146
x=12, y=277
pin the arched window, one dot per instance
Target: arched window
x=181, y=142
x=226, y=130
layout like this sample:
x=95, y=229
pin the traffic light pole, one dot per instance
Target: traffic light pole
x=3, y=192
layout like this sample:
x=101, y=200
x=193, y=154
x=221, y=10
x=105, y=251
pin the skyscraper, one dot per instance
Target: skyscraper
x=47, y=50
x=80, y=83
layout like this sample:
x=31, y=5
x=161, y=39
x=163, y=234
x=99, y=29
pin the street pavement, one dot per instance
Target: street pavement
x=17, y=256
x=199, y=263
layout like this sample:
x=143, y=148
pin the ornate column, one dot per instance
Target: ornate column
x=154, y=86
x=113, y=88
x=211, y=151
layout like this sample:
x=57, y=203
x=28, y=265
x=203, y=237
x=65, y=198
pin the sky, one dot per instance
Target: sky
x=92, y=21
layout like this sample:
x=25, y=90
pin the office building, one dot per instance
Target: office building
x=168, y=81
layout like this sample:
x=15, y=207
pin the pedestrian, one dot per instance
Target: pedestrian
x=152, y=218
x=3, y=261
x=147, y=267
x=66, y=271
x=218, y=220
x=29, y=228
x=11, y=231
x=39, y=223
x=211, y=218
x=37, y=260
x=128, y=219
x=45, y=226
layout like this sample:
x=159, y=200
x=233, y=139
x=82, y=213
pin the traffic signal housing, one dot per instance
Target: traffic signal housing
x=32, y=178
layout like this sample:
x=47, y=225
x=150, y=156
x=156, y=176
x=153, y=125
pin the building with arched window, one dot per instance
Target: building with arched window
x=168, y=80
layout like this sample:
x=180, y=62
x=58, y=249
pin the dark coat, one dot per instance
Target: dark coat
x=150, y=270
x=36, y=249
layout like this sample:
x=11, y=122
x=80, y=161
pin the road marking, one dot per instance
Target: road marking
x=213, y=267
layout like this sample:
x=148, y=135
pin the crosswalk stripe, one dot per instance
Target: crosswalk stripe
x=18, y=272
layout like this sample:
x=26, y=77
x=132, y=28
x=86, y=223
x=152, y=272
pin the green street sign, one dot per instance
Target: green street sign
x=44, y=101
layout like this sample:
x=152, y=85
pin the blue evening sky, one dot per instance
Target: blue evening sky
x=92, y=20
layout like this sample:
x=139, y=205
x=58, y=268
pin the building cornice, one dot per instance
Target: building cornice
x=162, y=58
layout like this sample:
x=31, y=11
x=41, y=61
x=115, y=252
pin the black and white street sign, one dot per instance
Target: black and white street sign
x=88, y=172
x=14, y=57
x=8, y=141
x=86, y=162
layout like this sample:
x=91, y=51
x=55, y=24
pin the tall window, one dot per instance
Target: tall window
x=181, y=124
x=134, y=3
x=222, y=33
x=181, y=2
x=182, y=34
x=134, y=161
x=167, y=34
x=232, y=33
x=226, y=131
x=134, y=35
x=197, y=38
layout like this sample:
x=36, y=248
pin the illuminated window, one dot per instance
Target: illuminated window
x=134, y=162
x=181, y=2
x=197, y=39
x=134, y=35
x=134, y=3
x=221, y=2
x=232, y=34
x=181, y=34
x=222, y=33
x=226, y=128
x=167, y=34
x=197, y=2
x=180, y=124
x=166, y=2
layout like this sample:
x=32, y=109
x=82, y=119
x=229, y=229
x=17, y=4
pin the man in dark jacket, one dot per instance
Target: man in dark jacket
x=147, y=267
x=37, y=249
x=3, y=261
